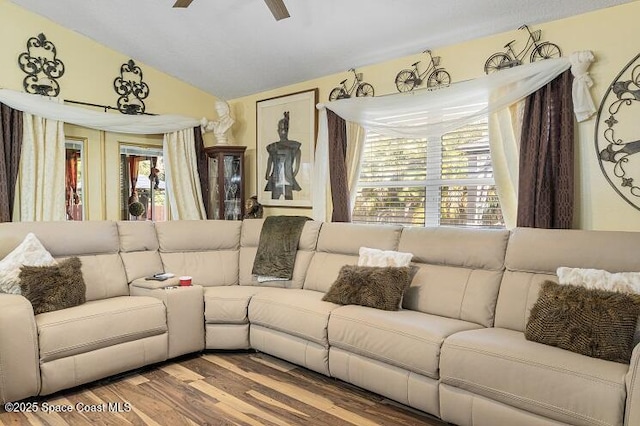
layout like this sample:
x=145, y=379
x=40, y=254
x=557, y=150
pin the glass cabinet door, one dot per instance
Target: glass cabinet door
x=232, y=180
x=214, y=192
x=226, y=182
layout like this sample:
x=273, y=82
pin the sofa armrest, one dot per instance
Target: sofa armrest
x=19, y=353
x=185, y=312
x=632, y=409
x=154, y=284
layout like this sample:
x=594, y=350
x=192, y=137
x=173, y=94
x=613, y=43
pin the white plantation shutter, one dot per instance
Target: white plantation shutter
x=391, y=188
x=467, y=188
x=445, y=180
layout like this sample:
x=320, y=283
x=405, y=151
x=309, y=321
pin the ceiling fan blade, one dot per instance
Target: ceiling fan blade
x=182, y=3
x=278, y=9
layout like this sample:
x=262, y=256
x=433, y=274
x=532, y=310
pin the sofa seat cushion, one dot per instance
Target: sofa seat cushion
x=297, y=312
x=99, y=324
x=502, y=365
x=407, y=339
x=228, y=304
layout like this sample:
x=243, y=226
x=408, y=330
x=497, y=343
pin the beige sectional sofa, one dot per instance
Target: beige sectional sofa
x=456, y=350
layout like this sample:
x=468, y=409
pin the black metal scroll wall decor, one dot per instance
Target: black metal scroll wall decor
x=435, y=76
x=131, y=88
x=511, y=58
x=617, y=133
x=42, y=67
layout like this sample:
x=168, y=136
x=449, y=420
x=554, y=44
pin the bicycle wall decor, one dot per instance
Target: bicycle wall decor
x=509, y=58
x=409, y=79
x=361, y=88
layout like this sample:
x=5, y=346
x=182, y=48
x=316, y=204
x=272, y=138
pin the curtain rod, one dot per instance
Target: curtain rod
x=105, y=107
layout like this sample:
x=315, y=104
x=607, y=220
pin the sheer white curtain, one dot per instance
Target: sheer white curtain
x=51, y=108
x=181, y=174
x=584, y=107
x=355, y=148
x=427, y=113
x=321, y=192
x=40, y=188
x=185, y=194
x=320, y=196
x=504, y=142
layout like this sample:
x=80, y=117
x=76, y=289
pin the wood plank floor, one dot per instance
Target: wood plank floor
x=219, y=389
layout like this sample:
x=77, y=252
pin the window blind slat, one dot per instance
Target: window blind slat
x=418, y=182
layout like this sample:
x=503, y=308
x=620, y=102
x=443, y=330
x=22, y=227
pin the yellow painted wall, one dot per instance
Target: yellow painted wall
x=90, y=69
x=611, y=34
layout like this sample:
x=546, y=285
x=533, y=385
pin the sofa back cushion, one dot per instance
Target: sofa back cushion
x=139, y=249
x=207, y=250
x=339, y=244
x=249, y=240
x=457, y=271
x=534, y=255
x=94, y=242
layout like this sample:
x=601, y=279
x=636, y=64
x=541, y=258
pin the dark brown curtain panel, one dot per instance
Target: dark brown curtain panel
x=203, y=167
x=545, y=189
x=338, y=168
x=10, y=146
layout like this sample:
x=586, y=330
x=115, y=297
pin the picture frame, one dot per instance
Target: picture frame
x=286, y=131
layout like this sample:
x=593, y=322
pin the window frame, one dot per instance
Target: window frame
x=146, y=151
x=80, y=144
x=434, y=182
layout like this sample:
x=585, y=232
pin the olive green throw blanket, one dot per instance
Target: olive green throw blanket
x=278, y=246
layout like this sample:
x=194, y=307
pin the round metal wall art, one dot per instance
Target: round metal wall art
x=617, y=135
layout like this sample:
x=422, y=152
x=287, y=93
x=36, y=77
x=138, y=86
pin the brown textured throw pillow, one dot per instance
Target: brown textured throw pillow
x=596, y=323
x=376, y=287
x=50, y=288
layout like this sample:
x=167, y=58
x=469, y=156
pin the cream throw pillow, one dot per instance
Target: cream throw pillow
x=30, y=252
x=621, y=282
x=383, y=258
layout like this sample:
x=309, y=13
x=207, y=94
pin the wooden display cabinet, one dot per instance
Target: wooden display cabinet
x=226, y=182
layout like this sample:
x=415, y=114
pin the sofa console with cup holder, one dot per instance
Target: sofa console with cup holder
x=456, y=340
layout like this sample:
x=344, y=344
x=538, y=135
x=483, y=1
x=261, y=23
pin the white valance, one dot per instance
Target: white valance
x=426, y=113
x=432, y=113
x=135, y=124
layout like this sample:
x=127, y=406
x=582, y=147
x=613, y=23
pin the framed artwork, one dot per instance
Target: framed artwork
x=286, y=129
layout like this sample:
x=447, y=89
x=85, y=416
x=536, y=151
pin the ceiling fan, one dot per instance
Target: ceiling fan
x=277, y=7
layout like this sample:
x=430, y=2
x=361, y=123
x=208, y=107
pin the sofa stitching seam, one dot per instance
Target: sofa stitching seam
x=295, y=308
x=395, y=362
x=234, y=299
x=455, y=382
x=526, y=302
x=81, y=345
x=306, y=338
x=532, y=363
x=402, y=333
x=103, y=314
x=464, y=293
x=628, y=405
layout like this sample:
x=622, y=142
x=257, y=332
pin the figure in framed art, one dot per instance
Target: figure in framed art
x=283, y=163
x=285, y=141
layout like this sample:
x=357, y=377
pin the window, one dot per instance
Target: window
x=142, y=184
x=74, y=193
x=445, y=180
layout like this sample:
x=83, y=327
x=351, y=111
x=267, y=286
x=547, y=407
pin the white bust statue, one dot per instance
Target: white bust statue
x=222, y=125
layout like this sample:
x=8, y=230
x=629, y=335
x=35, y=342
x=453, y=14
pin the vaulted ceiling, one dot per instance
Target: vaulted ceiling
x=232, y=48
